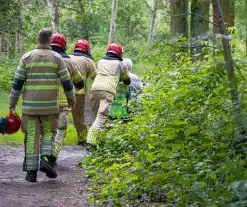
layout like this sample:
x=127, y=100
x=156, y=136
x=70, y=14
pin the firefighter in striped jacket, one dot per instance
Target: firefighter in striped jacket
x=37, y=78
x=87, y=67
x=110, y=71
x=58, y=44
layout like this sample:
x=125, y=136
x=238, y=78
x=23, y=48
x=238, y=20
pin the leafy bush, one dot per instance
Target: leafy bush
x=178, y=150
x=7, y=72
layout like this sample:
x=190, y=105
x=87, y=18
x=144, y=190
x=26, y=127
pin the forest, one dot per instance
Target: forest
x=185, y=143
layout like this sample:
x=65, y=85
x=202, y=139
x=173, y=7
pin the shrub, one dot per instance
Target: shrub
x=178, y=148
x=7, y=72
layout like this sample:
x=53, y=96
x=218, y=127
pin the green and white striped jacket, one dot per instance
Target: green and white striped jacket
x=37, y=78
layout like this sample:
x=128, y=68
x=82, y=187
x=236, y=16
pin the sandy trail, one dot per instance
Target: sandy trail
x=67, y=190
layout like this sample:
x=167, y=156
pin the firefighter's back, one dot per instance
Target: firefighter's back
x=40, y=91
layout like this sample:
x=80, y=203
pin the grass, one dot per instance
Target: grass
x=17, y=138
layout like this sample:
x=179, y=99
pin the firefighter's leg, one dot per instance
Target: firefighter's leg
x=31, y=127
x=61, y=131
x=105, y=100
x=95, y=101
x=47, y=149
x=79, y=118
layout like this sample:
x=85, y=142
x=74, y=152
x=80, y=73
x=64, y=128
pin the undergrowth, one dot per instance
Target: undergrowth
x=178, y=148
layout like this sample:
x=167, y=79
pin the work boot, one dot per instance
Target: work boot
x=31, y=176
x=47, y=167
x=52, y=161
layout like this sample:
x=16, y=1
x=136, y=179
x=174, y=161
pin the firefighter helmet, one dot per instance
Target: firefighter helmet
x=59, y=40
x=13, y=123
x=115, y=48
x=83, y=46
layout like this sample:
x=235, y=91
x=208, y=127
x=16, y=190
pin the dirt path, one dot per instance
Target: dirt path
x=67, y=190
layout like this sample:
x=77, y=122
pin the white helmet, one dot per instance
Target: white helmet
x=128, y=63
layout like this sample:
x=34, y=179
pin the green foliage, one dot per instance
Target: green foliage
x=178, y=148
x=9, y=9
x=7, y=72
x=82, y=19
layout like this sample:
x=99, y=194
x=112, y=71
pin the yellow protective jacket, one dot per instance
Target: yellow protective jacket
x=37, y=77
x=87, y=68
x=76, y=78
x=109, y=72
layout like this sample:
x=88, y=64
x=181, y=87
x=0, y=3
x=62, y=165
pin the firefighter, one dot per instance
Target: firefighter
x=37, y=74
x=110, y=71
x=59, y=44
x=87, y=68
x=136, y=84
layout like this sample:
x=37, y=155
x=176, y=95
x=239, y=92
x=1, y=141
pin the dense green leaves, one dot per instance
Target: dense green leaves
x=7, y=71
x=178, y=150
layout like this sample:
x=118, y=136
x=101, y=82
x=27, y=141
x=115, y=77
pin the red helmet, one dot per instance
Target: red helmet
x=13, y=123
x=83, y=45
x=115, y=48
x=58, y=40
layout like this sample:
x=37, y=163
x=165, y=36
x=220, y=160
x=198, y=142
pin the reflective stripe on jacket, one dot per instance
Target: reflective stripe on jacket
x=87, y=68
x=109, y=72
x=76, y=78
x=37, y=77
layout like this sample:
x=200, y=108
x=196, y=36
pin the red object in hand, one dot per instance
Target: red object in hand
x=14, y=123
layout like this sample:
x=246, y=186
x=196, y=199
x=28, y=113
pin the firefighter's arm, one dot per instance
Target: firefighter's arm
x=20, y=78
x=92, y=69
x=124, y=75
x=76, y=76
x=66, y=82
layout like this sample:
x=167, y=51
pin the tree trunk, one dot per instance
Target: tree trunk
x=84, y=21
x=153, y=13
x=2, y=50
x=54, y=13
x=179, y=24
x=19, y=36
x=199, y=27
x=113, y=22
x=236, y=106
x=228, y=12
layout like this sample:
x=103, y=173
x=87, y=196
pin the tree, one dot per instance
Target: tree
x=153, y=12
x=236, y=106
x=179, y=20
x=11, y=34
x=113, y=22
x=199, y=27
x=19, y=36
x=54, y=13
x=132, y=21
x=228, y=12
